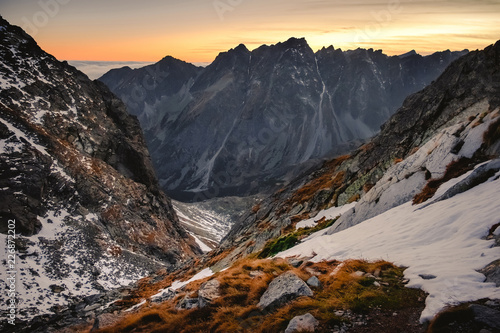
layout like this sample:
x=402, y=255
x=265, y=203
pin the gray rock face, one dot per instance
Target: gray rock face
x=313, y=281
x=492, y=272
x=77, y=178
x=209, y=291
x=283, y=289
x=188, y=303
x=486, y=315
x=304, y=323
x=478, y=176
x=227, y=129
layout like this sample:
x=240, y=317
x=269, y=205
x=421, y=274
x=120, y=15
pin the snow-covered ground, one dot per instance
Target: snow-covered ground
x=39, y=270
x=204, y=247
x=442, y=244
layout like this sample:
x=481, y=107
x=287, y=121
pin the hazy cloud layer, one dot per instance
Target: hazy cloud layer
x=95, y=69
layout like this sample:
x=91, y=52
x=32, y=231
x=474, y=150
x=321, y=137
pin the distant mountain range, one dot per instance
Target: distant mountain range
x=252, y=120
x=95, y=69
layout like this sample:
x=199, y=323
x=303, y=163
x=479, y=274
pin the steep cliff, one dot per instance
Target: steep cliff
x=77, y=179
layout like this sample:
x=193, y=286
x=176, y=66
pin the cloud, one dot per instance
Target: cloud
x=95, y=69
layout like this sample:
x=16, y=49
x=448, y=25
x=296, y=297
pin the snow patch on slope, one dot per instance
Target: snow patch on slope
x=52, y=270
x=445, y=240
x=204, y=247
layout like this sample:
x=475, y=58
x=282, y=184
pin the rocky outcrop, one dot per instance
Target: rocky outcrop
x=225, y=129
x=492, y=272
x=486, y=315
x=433, y=161
x=314, y=282
x=304, y=323
x=283, y=289
x=209, y=291
x=77, y=178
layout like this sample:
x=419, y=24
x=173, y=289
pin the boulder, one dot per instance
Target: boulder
x=492, y=272
x=314, y=282
x=283, y=289
x=166, y=295
x=304, y=323
x=209, y=291
x=486, y=315
x=187, y=303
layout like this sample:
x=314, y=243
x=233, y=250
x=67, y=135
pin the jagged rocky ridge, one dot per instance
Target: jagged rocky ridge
x=454, y=119
x=77, y=178
x=253, y=120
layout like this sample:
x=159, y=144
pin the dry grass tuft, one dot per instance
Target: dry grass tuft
x=256, y=208
x=453, y=170
x=367, y=187
x=241, y=288
x=492, y=134
x=327, y=178
x=354, y=198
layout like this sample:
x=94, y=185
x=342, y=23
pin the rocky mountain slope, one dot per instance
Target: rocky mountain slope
x=252, y=120
x=77, y=180
x=439, y=133
x=423, y=194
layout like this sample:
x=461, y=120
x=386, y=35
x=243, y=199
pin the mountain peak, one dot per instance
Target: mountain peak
x=171, y=60
x=295, y=43
x=408, y=54
x=241, y=48
x=168, y=58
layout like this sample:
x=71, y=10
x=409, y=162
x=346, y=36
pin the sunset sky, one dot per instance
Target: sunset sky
x=197, y=30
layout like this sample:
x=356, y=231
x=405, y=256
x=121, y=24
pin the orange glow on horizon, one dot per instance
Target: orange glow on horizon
x=197, y=31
